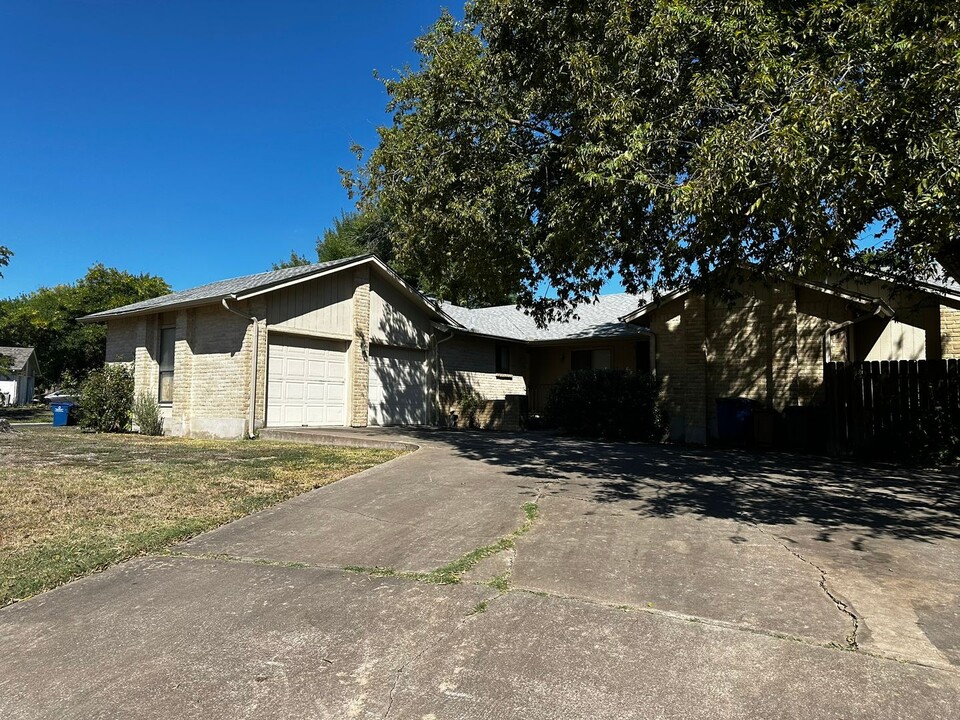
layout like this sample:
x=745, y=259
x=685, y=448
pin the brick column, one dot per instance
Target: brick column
x=949, y=332
x=784, y=380
x=360, y=348
x=183, y=374
x=694, y=383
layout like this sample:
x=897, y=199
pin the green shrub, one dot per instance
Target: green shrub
x=146, y=415
x=106, y=399
x=470, y=402
x=613, y=404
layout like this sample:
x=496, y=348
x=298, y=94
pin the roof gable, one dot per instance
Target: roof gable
x=946, y=290
x=248, y=286
x=19, y=357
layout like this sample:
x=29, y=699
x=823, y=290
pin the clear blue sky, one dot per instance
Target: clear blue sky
x=192, y=139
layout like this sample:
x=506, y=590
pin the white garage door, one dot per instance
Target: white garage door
x=306, y=382
x=398, y=386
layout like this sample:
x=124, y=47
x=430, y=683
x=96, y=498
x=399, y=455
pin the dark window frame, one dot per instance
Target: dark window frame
x=166, y=364
x=502, y=359
x=584, y=358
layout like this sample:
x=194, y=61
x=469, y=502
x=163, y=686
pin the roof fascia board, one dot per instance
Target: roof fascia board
x=653, y=305
x=809, y=284
x=322, y=272
x=186, y=304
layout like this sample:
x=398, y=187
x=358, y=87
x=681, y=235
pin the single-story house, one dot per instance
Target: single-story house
x=771, y=343
x=20, y=375
x=348, y=344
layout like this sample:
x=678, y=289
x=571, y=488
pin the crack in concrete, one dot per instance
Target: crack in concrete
x=726, y=625
x=378, y=519
x=398, y=673
x=852, y=643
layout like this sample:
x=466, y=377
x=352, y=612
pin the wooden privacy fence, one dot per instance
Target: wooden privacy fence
x=883, y=408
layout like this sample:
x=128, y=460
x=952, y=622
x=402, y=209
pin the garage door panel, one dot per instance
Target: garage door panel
x=306, y=382
x=398, y=386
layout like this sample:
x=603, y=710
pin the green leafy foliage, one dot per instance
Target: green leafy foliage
x=5, y=255
x=612, y=404
x=295, y=260
x=146, y=415
x=470, y=403
x=356, y=233
x=47, y=318
x=555, y=142
x=106, y=399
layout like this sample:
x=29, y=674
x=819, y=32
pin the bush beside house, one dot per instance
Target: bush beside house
x=106, y=399
x=611, y=404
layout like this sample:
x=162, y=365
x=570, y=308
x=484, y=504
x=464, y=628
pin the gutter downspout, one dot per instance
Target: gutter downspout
x=653, y=355
x=827, y=354
x=438, y=369
x=252, y=420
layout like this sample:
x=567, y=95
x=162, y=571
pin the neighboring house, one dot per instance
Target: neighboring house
x=771, y=344
x=349, y=344
x=17, y=384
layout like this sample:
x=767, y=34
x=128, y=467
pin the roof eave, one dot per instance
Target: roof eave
x=111, y=315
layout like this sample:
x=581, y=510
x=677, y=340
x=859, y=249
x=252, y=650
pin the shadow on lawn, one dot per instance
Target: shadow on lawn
x=771, y=488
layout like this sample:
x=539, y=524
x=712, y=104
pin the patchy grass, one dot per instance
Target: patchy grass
x=500, y=582
x=74, y=503
x=451, y=574
x=480, y=607
x=27, y=413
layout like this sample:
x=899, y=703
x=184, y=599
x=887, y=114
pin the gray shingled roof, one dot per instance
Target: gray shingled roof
x=599, y=319
x=19, y=356
x=214, y=292
x=596, y=320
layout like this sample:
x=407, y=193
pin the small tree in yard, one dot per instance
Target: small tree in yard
x=146, y=415
x=106, y=399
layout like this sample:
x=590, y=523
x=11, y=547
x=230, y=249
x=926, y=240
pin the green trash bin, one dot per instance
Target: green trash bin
x=61, y=413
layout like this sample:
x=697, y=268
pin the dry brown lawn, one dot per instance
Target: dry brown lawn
x=73, y=503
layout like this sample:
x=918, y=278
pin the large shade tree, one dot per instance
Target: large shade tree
x=47, y=318
x=556, y=142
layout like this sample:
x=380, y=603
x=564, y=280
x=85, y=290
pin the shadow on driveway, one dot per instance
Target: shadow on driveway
x=771, y=488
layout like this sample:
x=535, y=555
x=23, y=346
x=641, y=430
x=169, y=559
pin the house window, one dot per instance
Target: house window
x=503, y=359
x=589, y=359
x=168, y=337
x=643, y=357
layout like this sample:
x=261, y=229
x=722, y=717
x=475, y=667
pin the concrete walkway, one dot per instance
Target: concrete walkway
x=653, y=583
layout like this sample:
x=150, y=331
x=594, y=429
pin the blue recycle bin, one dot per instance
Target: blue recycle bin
x=735, y=419
x=61, y=413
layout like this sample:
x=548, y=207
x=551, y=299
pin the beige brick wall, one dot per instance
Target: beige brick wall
x=123, y=338
x=950, y=331
x=468, y=362
x=212, y=367
x=359, y=357
x=666, y=324
x=767, y=345
x=133, y=341
x=212, y=376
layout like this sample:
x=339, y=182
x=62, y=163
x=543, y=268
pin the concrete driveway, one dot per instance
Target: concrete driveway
x=653, y=583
